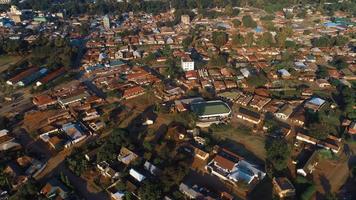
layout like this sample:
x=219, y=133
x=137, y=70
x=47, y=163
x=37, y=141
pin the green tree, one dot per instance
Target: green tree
x=249, y=39
x=238, y=40
x=266, y=40
x=150, y=191
x=278, y=153
x=320, y=130
x=248, y=22
x=322, y=72
x=236, y=22
x=220, y=38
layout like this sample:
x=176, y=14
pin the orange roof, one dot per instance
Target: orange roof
x=133, y=91
x=43, y=100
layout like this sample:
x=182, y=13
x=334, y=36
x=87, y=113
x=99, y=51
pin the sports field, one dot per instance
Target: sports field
x=210, y=108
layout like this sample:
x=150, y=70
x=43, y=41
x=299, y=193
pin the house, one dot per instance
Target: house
x=246, y=172
x=229, y=166
x=283, y=187
x=126, y=156
x=315, y=103
x=137, y=175
x=43, y=101
x=258, y=102
x=65, y=101
x=284, y=73
x=331, y=143
x=284, y=112
x=248, y=115
x=323, y=83
x=298, y=116
x=190, y=192
x=223, y=163
x=7, y=142
x=75, y=132
x=54, y=189
x=107, y=171
x=133, y=92
x=306, y=162
x=155, y=171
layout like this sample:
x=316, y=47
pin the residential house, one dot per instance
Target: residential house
x=258, y=102
x=283, y=187
x=126, y=156
x=54, y=189
x=306, y=162
x=107, y=171
x=284, y=112
x=314, y=103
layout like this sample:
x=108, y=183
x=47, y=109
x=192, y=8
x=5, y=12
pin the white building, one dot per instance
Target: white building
x=187, y=64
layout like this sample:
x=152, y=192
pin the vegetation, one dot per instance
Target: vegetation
x=220, y=38
x=278, y=153
x=248, y=22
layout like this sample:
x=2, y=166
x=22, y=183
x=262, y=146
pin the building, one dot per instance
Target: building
x=75, y=132
x=283, y=187
x=54, y=189
x=248, y=115
x=314, y=103
x=187, y=63
x=285, y=112
x=51, y=76
x=126, y=156
x=32, y=77
x=211, y=110
x=106, y=22
x=185, y=19
x=306, y=162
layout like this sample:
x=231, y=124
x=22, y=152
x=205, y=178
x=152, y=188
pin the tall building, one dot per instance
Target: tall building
x=187, y=63
x=106, y=22
x=185, y=19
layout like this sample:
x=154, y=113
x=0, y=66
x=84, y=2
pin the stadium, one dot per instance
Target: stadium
x=211, y=110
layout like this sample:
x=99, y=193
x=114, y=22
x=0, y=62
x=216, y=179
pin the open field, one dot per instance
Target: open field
x=244, y=143
x=6, y=60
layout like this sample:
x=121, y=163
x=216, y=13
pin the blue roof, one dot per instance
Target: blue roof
x=284, y=72
x=258, y=29
x=317, y=101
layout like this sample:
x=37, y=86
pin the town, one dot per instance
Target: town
x=177, y=99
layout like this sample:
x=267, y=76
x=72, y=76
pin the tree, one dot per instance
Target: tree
x=339, y=62
x=278, y=153
x=249, y=39
x=320, y=130
x=187, y=42
x=150, y=191
x=266, y=40
x=322, y=72
x=238, y=40
x=236, y=22
x=248, y=22
x=220, y=38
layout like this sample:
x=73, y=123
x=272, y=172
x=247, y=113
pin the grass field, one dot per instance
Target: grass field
x=236, y=138
x=6, y=61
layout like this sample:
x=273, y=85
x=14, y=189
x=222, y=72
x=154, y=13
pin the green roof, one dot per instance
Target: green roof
x=210, y=108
